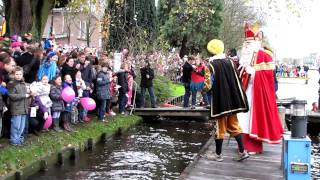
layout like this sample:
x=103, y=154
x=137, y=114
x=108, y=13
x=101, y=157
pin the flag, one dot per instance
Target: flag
x=3, y=26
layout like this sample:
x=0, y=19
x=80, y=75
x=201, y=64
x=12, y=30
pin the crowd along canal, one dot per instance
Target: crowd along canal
x=162, y=149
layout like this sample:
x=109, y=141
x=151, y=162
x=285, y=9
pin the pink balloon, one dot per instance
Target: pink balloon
x=88, y=103
x=68, y=94
x=48, y=122
x=125, y=51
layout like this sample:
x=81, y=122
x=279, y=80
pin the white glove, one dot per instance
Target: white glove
x=45, y=116
x=250, y=70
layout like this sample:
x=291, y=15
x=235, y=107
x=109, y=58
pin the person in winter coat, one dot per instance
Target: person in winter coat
x=131, y=76
x=49, y=66
x=69, y=106
x=57, y=102
x=7, y=66
x=186, y=79
x=68, y=68
x=113, y=91
x=122, y=76
x=147, y=75
x=33, y=67
x=81, y=89
x=18, y=106
x=197, y=81
x=102, y=90
x=42, y=88
x=37, y=118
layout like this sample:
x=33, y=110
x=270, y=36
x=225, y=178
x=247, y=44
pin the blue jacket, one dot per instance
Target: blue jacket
x=49, y=69
x=103, y=82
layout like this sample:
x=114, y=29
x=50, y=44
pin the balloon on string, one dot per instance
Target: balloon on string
x=48, y=122
x=125, y=51
x=88, y=103
x=68, y=94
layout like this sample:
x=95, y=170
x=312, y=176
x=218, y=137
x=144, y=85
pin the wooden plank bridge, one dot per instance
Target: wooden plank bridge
x=261, y=166
x=172, y=112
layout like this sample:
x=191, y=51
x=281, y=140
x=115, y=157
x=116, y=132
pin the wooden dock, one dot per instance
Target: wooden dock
x=262, y=166
x=172, y=112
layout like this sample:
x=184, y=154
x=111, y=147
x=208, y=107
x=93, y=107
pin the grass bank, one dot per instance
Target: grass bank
x=177, y=90
x=36, y=147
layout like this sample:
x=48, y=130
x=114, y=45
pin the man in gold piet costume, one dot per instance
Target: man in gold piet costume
x=228, y=99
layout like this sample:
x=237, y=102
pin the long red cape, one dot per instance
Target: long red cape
x=265, y=123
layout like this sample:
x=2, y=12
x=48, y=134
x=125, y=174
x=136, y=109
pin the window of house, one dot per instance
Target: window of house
x=82, y=30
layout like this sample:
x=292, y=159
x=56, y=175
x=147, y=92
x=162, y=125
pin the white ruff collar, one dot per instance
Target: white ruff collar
x=219, y=56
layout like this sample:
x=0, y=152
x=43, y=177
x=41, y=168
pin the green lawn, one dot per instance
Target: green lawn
x=177, y=90
x=13, y=158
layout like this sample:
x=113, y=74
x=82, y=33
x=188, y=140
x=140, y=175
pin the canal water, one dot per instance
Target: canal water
x=289, y=88
x=151, y=150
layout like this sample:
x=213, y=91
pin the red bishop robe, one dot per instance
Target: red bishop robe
x=265, y=123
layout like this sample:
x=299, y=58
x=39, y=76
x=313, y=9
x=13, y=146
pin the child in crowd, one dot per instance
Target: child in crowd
x=81, y=87
x=18, y=97
x=57, y=102
x=131, y=76
x=69, y=106
x=113, y=91
x=42, y=89
x=102, y=90
x=38, y=114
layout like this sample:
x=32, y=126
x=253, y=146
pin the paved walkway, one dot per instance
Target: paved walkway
x=263, y=166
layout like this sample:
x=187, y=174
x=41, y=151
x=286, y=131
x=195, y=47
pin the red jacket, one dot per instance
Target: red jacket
x=197, y=75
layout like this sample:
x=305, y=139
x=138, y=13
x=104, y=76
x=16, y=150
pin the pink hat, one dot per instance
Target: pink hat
x=15, y=44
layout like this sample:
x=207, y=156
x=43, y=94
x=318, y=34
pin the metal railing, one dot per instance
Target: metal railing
x=176, y=101
x=134, y=97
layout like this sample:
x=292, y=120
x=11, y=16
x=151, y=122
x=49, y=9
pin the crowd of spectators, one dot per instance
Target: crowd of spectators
x=33, y=76
x=284, y=70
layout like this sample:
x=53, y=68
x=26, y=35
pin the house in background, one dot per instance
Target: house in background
x=76, y=30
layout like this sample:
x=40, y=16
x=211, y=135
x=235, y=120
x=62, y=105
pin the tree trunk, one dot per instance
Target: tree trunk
x=41, y=10
x=88, y=35
x=27, y=16
x=14, y=17
x=184, y=48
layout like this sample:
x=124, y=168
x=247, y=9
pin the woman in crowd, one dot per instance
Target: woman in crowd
x=49, y=66
x=68, y=68
x=103, y=93
x=197, y=81
x=122, y=76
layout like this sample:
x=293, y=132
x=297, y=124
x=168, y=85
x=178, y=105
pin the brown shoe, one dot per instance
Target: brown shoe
x=1, y=146
x=86, y=119
x=66, y=126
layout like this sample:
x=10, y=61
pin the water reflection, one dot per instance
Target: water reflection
x=315, y=169
x=149, y=151
x=297, y=88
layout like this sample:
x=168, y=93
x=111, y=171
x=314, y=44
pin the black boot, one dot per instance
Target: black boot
x=56, y=125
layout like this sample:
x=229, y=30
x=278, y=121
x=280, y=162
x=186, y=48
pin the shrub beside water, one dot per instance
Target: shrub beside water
x=163, y=89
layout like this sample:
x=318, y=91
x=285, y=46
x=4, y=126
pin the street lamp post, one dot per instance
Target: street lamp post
x=298, y=119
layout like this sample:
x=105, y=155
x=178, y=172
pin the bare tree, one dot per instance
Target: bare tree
x=235, y=13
